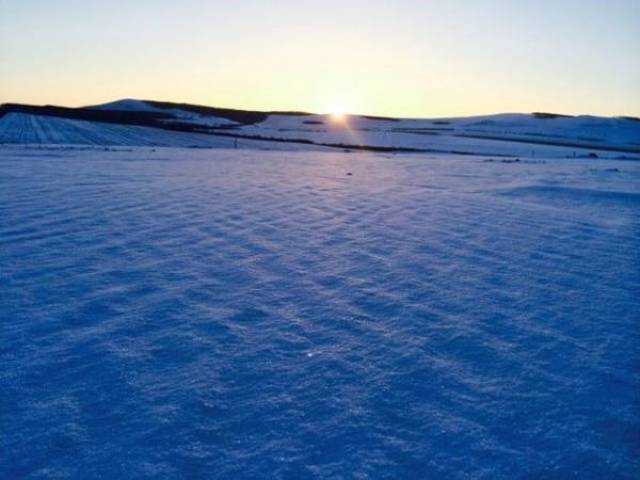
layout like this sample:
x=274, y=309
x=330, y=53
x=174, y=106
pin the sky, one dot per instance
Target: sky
x=409, y=58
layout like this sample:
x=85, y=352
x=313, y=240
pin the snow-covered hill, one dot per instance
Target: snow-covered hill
x=179, y=115
x=25, y=129
x=133, y=122
x=519, y=134
x=126, y=105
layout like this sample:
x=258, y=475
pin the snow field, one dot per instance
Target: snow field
x=230, y=313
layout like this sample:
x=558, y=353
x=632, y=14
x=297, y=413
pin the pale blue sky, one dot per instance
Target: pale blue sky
x=402, y=57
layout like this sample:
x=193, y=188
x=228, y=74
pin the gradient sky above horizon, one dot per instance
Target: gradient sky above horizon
x=411, y=58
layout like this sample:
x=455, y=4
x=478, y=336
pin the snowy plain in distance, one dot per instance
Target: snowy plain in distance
x=521, y=135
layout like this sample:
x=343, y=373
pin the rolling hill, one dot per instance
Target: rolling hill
x=133, y=122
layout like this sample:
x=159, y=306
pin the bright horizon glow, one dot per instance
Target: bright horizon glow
x=407, y=58
x=337, y=112
x=338, y=117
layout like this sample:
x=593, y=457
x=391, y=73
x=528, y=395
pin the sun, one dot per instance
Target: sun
x=337, y=109
x=338, y=115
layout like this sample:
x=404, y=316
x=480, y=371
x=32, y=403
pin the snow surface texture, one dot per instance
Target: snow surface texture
x=236, y=314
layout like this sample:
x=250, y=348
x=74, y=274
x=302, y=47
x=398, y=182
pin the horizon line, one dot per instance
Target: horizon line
x=305, y=112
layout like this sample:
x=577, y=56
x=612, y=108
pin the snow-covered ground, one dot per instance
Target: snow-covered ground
x=517, y=135
x=510, y=134
x=175, y=313
x=24, y=129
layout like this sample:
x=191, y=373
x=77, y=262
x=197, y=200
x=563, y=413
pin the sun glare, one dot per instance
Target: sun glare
x=338, y=115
